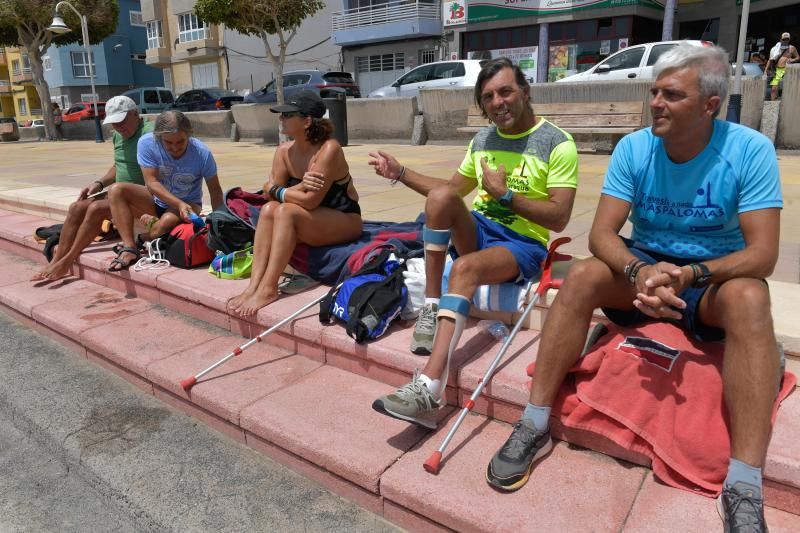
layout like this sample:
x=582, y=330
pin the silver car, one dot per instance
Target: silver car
x=440, y=74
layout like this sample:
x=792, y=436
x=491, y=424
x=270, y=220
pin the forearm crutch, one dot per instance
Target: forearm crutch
x=546, y=282
x=188, y=383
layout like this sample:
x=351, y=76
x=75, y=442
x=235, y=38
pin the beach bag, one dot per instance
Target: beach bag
x=235, y=265
x=370, y=299
x=185, y=246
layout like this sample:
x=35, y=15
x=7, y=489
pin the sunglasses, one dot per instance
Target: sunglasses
x=292, y=114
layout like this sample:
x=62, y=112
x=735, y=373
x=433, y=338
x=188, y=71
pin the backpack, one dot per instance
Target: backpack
x=369, y=300
x=185, y=246
x=227, y=233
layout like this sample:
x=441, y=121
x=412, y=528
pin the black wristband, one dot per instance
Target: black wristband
x=102, y=185
x=272, y=191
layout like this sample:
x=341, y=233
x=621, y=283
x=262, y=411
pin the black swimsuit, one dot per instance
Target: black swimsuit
x=337, y=197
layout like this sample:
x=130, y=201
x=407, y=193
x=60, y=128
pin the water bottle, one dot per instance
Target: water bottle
x=198, y=222
x=495, y=328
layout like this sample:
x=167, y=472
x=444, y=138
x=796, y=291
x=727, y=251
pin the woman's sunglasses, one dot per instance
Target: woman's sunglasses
x=292, y=114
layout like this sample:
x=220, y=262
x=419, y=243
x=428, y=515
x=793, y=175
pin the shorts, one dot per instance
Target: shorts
x=691, y=295
x=160, y=210
x=779, y=72
x=528, y=253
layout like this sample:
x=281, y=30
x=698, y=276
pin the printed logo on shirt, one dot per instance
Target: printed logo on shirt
x=702, y=208
x=651, y=351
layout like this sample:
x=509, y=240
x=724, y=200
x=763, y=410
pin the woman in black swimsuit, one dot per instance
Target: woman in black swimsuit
x=313, y=199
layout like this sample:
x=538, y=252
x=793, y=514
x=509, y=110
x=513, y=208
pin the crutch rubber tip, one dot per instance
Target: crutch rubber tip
x=188, y=383
x=432, y=464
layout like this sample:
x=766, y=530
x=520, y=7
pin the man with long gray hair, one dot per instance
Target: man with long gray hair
x=174, y=165
x=704, y=197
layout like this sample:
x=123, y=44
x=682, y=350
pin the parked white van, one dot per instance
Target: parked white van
x=151, y=99
x=440, y=74
x=635, y=62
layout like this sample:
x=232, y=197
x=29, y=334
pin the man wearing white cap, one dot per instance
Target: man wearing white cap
x=781, y=55
x=86, y=215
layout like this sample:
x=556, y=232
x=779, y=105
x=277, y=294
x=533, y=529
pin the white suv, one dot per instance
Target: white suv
x=635, y=62
x=440, y=74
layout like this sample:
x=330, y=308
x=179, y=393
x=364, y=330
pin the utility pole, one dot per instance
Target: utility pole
x=669, y=19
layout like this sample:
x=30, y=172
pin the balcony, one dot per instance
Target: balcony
x=158, y=57
x=387, y=21
x=19, y=78
x=5, y=87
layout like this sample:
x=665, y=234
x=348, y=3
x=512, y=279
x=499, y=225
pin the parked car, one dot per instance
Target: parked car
x=151, y=99
x=440, y=74
x=209, y=99
x=748, y=69
x=323, y=83
x=634, y=62
x=84, y=111
x=9, y=129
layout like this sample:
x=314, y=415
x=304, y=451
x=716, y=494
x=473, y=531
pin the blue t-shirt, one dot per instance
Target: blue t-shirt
x=182, y=177
x=690, y=210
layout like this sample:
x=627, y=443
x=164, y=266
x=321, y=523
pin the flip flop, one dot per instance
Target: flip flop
x=296, y=283
x=124, y=265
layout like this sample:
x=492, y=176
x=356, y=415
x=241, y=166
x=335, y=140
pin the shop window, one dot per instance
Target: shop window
x=605, y=28
x=587, y=30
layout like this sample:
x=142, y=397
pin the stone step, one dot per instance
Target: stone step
x=236, y=399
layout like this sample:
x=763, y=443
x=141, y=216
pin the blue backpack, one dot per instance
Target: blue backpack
x=368, y=300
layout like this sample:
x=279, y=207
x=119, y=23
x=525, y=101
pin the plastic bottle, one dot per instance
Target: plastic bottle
x=495, y=328
x=198, y=222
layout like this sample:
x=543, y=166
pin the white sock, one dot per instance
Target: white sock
x=434, y=385
x=429, y=301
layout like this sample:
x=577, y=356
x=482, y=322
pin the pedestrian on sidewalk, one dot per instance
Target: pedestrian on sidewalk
x=782, y=54
x=85, y=216
x=57, y=121
x=526, y=172
x=704, y=198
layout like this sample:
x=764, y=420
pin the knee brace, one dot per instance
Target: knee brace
x=436, y=240
x=456, y=307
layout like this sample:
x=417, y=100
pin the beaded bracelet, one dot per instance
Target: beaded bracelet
x=281, y=193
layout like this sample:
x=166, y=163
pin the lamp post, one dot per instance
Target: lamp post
x=735, y=100
x=58, y=27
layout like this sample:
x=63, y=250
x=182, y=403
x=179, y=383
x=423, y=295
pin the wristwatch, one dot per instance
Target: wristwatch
x=505, y=200
x=702, y=275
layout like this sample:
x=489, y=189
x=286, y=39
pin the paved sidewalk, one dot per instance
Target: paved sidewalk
x=43, y=178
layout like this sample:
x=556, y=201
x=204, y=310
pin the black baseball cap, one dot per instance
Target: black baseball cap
x=306, y=102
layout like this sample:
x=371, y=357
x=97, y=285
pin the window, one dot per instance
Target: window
x=166, y=97
x=138, y=57
x=380, y=63
x=427, y=56
x=80, y=64
x=657, y=51
x=155, y=38
x=23, y=106
x=46, y=63
x=443, y=71
x=191, y=28
x=16, y=70
x=627, y=59
x=136, y=18
x=26, y=63
x=150, y=97
x=89, y=97
x=417, y=75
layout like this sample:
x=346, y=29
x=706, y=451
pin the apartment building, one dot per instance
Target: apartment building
x=18, y=96
x=194, y=54
x=118, y=62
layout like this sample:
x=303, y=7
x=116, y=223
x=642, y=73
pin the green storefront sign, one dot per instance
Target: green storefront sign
x=484, y=10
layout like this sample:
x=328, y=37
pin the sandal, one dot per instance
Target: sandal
x=117, y=248
x=296, y=283
x=124, y=265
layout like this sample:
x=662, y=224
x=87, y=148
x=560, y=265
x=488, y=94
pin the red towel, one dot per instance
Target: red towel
x=662, y=399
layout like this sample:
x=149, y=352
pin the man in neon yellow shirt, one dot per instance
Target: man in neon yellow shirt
x=526, y=172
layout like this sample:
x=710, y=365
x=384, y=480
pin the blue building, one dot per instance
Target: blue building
x=119, y=62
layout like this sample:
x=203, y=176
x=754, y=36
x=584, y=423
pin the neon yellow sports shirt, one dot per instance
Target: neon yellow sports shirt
x=543, y=157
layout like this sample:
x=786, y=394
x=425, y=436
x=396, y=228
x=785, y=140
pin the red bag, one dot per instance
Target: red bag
x=185, y=246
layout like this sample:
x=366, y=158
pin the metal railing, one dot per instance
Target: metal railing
x=391, y=11
x=36, y=111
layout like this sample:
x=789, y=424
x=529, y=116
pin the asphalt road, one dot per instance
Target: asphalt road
x=83, y=450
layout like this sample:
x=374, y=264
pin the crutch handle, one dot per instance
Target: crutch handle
x=188, y=383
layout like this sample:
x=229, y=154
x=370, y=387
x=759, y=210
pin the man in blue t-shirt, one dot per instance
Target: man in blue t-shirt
x=174, y=165
x=704, y=199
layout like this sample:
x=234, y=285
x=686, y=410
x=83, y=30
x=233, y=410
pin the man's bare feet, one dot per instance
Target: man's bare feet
x=59, y=270
x=43, y=273
x=251, y=306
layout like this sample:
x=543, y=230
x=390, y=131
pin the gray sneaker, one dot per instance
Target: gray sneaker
x=511, y=466
x=424, y=330
x=412, y=402
x=741, y=510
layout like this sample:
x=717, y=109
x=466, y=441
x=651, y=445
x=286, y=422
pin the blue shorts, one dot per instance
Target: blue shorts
x=691, y=295
x=528, y=253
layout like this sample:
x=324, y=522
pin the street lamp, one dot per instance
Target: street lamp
x=58, y=27
x=735, y=100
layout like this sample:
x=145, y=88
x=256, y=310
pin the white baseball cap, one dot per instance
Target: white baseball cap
x=786, y=35
x=117, y=109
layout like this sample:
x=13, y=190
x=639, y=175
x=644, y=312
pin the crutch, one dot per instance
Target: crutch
x=188, y=383
x=545, y=283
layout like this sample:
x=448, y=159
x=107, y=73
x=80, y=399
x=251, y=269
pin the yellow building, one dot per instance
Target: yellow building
x=18, y=96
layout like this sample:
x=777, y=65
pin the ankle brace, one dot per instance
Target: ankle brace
x=436, y=240
x=456, y=307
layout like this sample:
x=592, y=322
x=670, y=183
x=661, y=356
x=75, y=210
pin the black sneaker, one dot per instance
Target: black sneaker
x=741, y=510
x=511, y=466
